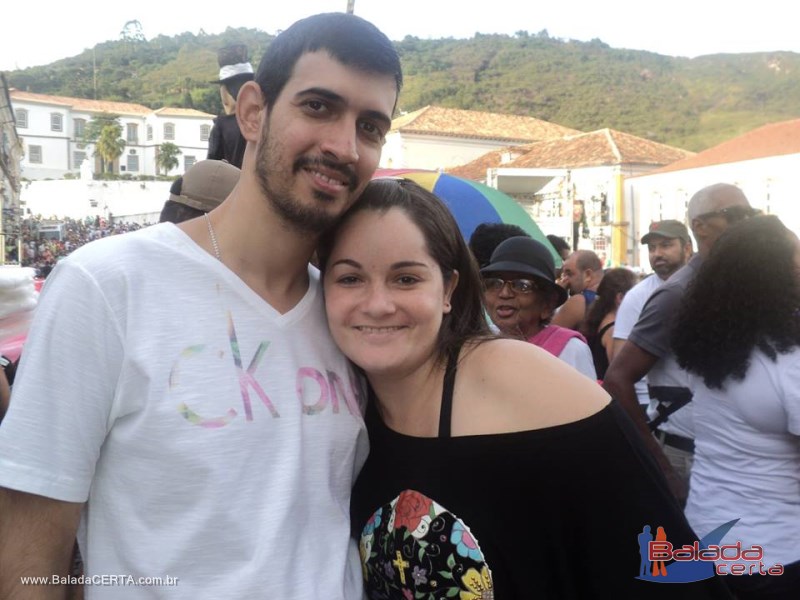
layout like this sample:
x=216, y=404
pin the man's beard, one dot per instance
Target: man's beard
x=306, y=219
x=666, y=270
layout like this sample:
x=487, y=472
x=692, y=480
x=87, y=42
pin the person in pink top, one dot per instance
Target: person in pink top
x=521, y=296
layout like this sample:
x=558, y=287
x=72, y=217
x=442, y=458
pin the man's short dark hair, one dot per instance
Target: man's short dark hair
x=349, y=39
x=488, y=236
x=175, y=212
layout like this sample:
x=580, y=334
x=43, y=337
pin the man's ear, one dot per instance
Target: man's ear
x=250, y=111
x=698, y=227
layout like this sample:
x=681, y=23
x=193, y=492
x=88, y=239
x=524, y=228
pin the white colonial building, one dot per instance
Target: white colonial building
x=764, y=163
x=52, y=127
x=439, y=138
x=573, y=186
x=10, y=158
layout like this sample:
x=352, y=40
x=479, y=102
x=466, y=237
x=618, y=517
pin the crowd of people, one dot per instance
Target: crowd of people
x=213, y=416
x=42, y=252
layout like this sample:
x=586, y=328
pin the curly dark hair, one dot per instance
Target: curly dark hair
x=488, y=236
x=746, y=295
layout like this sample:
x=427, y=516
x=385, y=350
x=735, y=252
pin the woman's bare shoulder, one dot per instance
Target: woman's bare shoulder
x=509, y=385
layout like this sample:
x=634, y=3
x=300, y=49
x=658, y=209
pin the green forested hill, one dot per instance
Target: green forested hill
x=689, y=103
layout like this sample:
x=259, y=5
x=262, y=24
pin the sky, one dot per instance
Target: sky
x=687, y=28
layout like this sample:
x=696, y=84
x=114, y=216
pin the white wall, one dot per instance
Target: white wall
x=433, y=152
x=58, y=147
x=556, y=191
x=771, y=184
x=72, y=198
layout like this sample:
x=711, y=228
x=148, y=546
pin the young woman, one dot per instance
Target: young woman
x=599, y=325
x=493, y=472
x=739, y=334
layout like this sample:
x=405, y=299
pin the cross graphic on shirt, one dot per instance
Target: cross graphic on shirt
x=402, y=565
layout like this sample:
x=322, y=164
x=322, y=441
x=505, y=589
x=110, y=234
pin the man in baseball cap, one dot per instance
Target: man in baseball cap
x=669, y=246
x=201, y=189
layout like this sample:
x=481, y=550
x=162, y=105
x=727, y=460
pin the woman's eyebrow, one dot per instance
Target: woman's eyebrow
x=348, y=262
x=407, y=263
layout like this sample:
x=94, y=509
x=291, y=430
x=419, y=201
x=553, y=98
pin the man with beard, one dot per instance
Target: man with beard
x=180, y=395
x=669, y=247
x=670, y=431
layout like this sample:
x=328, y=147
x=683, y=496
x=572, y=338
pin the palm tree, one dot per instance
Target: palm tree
x=110, y=145
x=167, y=157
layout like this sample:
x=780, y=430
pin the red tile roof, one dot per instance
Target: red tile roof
x=454, y=122
x=82, y=104
x=101, y=106
x=604, y=147
x=182, y=112
x=775, y=139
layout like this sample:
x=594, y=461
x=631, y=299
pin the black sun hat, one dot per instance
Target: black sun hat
x=527, y=256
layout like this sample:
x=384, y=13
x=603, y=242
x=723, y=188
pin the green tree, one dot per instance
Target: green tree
x=167, y=157
x=110, y=145
x=105, y=132
x=95, y=127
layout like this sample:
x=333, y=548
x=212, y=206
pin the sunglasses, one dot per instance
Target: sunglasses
x=733, y=214
x=518, y=286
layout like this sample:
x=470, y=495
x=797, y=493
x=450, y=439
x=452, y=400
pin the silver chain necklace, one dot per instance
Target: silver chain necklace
x=213, y=237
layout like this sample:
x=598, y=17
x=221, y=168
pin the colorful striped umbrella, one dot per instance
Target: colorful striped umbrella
x=473, y=203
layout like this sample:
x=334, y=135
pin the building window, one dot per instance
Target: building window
x=133, y=133
x=205, y=132
x=169, y=131
x=56, y=122
x=79, y=125
x=77, y=159
x=35, y=154
x=22, y=118
x=149, y=133
x=188, y=161
x=133, y=163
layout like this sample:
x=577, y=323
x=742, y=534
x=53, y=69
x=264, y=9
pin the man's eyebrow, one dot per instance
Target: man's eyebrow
x=339, y=99
x=320, y=91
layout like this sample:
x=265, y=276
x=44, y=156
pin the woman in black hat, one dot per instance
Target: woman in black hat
x=493, y=471
x=521, y=296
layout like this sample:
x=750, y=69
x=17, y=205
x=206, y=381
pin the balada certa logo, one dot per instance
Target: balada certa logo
x=664, y=563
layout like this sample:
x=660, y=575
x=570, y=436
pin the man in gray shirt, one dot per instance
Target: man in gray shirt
x=647, y=352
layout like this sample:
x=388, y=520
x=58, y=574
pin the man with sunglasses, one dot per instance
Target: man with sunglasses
x=670, y=430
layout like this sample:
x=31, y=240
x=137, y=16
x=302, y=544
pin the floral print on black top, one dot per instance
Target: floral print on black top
x=414, y=549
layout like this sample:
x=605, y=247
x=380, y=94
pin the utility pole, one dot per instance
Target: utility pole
x=350, y=6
